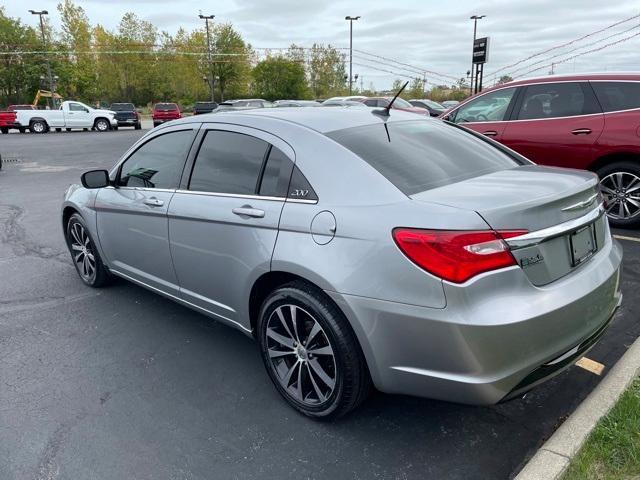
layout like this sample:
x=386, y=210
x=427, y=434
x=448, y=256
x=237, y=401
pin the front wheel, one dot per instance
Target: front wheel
x=85, y=256
x=101, y=125
x=310, y=352
x=620, y=187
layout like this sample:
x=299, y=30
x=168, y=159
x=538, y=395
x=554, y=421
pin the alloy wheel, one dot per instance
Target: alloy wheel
x=300, y=355
x=621, y=191
x=38, y=127
x=101, y=125
x=82, y=251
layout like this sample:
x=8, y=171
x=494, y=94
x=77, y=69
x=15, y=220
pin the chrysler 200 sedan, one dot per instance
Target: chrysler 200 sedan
x=359, y=248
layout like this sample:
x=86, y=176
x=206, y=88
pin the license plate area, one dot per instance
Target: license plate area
x=583, y=244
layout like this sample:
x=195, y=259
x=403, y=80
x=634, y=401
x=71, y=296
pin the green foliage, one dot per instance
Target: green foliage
x=612, y=451
x=326, y=71
x=279, y=77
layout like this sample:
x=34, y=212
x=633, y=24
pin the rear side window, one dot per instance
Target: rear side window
x=615, y=96
x=228, y=162
x=277, y=173
x=159, y=162
x=419, y=155
x=553, y=100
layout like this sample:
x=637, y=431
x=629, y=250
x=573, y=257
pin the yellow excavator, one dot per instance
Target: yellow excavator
x=56, y=99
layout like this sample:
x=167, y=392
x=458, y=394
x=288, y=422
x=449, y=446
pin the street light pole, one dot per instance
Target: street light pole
x=475, y=19
x=351, y=19
x=52, y=87
x=206, y=18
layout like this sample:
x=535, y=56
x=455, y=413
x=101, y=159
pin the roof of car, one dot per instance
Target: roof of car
x=573, y=77
x=322, y=120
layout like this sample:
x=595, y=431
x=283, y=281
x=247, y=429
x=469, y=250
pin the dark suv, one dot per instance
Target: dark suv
x=204, y=107
x=589, y=121
x=126, y=115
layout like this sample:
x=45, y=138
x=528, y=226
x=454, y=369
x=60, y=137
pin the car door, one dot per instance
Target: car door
x=132, y=218
x=486, y=113
x=223, y=222
x=556, y=123
x=78, y=116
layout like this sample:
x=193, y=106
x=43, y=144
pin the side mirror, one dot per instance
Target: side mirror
x=95, y=179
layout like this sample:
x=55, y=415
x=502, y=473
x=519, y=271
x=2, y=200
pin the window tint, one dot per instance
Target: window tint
x=76, y=107
x=371, y=103
x=617, y=95
x=159, y=162
x=419, y=155
x=552, y=100
x=122, y=107
x=277, y=173
x=166, y=107
x=228, y=162
x=491, y=107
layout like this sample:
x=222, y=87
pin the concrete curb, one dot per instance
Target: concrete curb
x=552, y=459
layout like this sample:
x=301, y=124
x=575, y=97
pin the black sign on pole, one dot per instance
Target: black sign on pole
x=481, y=50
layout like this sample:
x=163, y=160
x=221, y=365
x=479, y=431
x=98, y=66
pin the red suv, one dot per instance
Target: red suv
x=579, y=121
x=164, y=112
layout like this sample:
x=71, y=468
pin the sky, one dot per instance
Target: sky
x=431, y=35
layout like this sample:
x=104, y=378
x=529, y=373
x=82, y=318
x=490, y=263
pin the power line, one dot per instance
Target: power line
x=581, y=54
x=573, y=50
x=566, y=44
x=417, y=69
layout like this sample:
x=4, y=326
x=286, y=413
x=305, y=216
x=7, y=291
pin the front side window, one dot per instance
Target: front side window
x=158, y=163
x=419, y=155
x=614, y=96
x=554, y=100
x=76, y=107
x=491, y=107
x=228, y=162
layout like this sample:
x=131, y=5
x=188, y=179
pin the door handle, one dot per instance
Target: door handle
x=248, y=211
x=153, y=202
x=490, y=133
x=581, y=131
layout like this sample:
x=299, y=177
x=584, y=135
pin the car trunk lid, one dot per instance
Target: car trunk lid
x=559, y=207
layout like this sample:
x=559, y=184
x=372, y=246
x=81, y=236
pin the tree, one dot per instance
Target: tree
x=505, y=79
x=231, y=63
x=278, y=77
x=326, y=71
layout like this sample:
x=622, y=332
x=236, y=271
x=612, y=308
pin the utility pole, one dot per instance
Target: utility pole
x=52, y=87
x=424, y=85
x=475, y=19
x=351, y=19
x=212, y=81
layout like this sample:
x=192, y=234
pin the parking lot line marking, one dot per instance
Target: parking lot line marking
x=590, y=365
x=631, y=239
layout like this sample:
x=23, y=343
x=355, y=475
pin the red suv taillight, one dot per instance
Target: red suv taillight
x=456, y=255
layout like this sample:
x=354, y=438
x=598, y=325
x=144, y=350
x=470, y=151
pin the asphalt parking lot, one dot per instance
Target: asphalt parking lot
x=122, y=383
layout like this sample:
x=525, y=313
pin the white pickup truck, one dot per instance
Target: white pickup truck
x=71, y=115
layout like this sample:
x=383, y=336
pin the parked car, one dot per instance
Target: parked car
x=434, y=108
x=399, y=104
x=204, y=107
x=325, y=235
x=579, y=121
x=342, y=103
x=354, y=98
x=165, y=112
x=450, y=103
x=126, y=115
x=8, y=121
x=296, y=103
x=71, y=115
x=21, y=107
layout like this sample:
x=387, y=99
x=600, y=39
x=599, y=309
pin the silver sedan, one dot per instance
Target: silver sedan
x=360, y=249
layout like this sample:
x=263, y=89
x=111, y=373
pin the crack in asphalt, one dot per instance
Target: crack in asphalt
x=15, y=235
x=18, y=305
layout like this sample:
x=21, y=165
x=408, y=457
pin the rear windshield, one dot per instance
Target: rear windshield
x=122, y=107
x=166, y=107
x=205, y=105
x=420, y=155
x=20, y=107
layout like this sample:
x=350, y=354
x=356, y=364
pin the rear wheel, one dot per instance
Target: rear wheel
x=85, y=257
x=101, y=125
x=22, y=129
x=38, y=126
x=138, y=126
x=4, y=130
x=310, y=352
x=620, y=186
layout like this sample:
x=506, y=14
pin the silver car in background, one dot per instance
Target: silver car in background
x=359, y=249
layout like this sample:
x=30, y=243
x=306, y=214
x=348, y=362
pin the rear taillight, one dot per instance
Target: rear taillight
x=456, y=255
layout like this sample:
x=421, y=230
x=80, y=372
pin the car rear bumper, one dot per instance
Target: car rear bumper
x=497, y=337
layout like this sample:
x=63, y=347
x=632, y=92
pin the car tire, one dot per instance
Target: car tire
x=138, y=126
x=325, y=386
x=38, y=126
x=22, y=129
x=101, y=124
x=87, y=260
x=4, y=130
x=619, y=202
